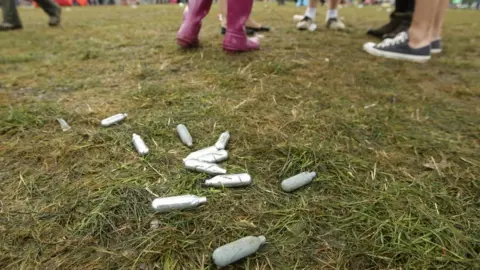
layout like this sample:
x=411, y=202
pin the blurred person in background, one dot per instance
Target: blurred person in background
x=332, y=20
x=251, y=25
x=235, y=40
x=400, y=20
x=422, y=39
x=11, y=20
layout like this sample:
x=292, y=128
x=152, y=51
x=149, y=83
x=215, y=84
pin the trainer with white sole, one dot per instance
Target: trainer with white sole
x=308, y=20
x=422, y=39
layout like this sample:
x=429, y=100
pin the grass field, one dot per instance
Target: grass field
x=396, y=145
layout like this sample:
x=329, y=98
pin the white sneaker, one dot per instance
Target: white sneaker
x=335, y=24
x=297, y=18
x=305, y=23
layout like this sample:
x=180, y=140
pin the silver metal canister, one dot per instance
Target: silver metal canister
x=223, y=140
x=237, y=250
x=113, y=119
x=184, y=135
x=202, y=152
x=219, y=156
x=177, y=202
x=297, y=181
x=139, y=144
x=229, y=180
x=201, y=166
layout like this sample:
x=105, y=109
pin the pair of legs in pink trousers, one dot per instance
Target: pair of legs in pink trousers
x=235, y=40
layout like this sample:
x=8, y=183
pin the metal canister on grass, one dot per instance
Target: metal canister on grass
x=297, y=181
x=184, y=135
x=237, y=250
x=139, y=144
x=181, y=202
x=202, y=152
x=229, y=180
x=201, y=166
x=113, y=119
x=219, y=156
x=223, y=140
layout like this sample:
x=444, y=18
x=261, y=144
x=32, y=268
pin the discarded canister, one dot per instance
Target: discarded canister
x=177, y=202
x=202, y=152
x=219, y=156
x=63, y=124
x=237, y=250
x=113, y=119
x=139, y=144
x=184, y=135
x=297, y=181
x=201, y=166
x=223, y=140
x=229, y=180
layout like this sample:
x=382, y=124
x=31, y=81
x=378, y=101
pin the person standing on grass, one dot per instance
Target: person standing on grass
x=235, y=40
x=423, y=38
x=251, y=25
x=400, y=20
x=333, y=22
x=11, y=20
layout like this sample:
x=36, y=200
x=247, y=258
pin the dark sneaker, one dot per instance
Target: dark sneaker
x=436, y=46
x=55, y=20
x=9, y=27
x=402, y=27
x=305, y=23
x=249, y=32
x=335, y=24
x=389, y=30
x=398, y=48
x=259, y=29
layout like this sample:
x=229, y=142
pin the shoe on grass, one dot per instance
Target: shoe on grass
x=398, y=48
x=436, y=46
x=249, y=32
x=10, y=27
x=391, y=29
x=55, y=19
x=335, y=24
x=402, y=27
x=259, y=29
x=305, y=23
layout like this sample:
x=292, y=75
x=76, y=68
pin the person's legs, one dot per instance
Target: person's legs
x=11, y=20
x=222, y=5
x=236, y=39
x=436, y=31
x=400, y=20
x=333, y=22
x=52, y=9
x=251, y=25
x=439, y=18
x=401, y=5
x=414, y=45
x=187, y=36
x=309, y=17
x=420, y=32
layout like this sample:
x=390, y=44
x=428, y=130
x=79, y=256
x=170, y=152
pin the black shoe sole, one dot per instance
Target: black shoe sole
x=374, y=33
x=223, y=31
x=13, y=28
x=260, y=29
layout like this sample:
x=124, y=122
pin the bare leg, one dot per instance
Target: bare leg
x=421, y=30
x=439, y=18
x=332, y=4
x=252, y=23
x=311, y=9
x=222, y=4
